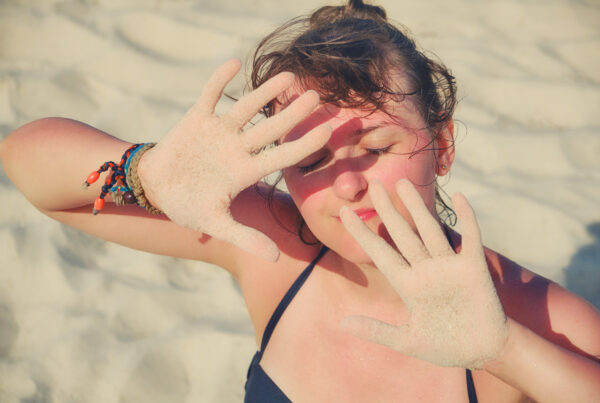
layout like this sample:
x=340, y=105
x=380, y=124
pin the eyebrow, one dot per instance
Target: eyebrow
x=369, y=129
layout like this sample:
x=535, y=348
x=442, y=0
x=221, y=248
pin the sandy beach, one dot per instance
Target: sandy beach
x=83, y=320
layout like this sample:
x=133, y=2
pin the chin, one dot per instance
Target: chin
x=336, y=238
x=350, y=250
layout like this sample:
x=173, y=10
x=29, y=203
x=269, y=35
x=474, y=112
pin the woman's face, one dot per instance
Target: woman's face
x=363, y=147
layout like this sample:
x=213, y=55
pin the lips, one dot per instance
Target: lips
x=364, y=214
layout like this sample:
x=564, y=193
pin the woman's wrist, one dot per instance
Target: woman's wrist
x=510, y=350
x=144, y=173
x=123, y=182
x=542, y=370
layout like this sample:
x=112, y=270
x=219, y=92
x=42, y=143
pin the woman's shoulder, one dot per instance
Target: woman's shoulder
x=545, y=307
x=274, y=213
x=263, y=283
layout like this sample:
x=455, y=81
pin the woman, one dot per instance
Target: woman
x=362, y=130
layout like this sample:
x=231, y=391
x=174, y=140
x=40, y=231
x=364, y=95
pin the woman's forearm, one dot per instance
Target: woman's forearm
x=544, y=371
x=48, y=160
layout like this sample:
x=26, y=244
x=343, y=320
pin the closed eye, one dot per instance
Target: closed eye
x=378, y=151
x=309, y=168
x=373, y=151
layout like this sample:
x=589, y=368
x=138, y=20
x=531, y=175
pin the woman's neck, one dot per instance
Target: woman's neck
x=358, y=278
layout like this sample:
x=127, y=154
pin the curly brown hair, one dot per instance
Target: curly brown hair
x=351, y=55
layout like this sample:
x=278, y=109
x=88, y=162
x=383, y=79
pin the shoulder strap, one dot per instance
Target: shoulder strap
x=471, y=387
x=448, y=237
x=287, y=298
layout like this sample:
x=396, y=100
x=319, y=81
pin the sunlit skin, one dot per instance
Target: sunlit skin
x=363, y=147
x=551, y=334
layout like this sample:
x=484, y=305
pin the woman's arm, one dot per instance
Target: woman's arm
x=545, y=371
x=48, y=160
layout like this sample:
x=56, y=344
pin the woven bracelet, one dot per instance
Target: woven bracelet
x=133, y=180
x=123, y=183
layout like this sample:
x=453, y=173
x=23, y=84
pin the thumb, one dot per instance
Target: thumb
x=248, y=239
x=376, y=331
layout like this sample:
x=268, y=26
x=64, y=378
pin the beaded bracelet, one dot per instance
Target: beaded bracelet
x=133, y=179
x=123, y=183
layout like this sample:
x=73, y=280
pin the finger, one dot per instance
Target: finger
x=214, y=87
x=250, y=104
x=376, y=331
x=291, y=153
x=387, y=260
x=248, y=239
x=429, y=228
x=471, y=235
x=407, y=242
x=269, y=130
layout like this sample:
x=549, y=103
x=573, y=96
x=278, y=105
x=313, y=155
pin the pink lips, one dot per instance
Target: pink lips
x=364, y=214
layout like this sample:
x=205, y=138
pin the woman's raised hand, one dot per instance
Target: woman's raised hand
x=456, y=318
x=195, y=172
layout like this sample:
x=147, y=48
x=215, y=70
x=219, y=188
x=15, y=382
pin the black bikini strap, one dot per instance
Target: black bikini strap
x=471, y=387
x=287, y=298
x=448, y=237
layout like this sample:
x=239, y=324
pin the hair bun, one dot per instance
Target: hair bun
x=359, y=7
x=354, y=9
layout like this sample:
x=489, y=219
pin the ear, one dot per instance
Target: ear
x=445, y=148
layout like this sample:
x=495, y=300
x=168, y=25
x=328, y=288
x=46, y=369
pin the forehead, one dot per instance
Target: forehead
x=348, y=121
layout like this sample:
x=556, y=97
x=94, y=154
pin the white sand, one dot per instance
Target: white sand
x=82, y=320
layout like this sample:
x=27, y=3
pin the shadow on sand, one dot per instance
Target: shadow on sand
x=582, y=275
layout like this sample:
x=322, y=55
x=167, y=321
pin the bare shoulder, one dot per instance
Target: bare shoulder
x=546, y=307
x=273, y=213
x=264, y=284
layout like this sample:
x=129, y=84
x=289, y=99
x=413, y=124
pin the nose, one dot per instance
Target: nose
x=350, y=185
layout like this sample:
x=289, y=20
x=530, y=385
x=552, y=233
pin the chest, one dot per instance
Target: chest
x=311, y=359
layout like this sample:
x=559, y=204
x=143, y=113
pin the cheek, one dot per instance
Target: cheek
x=310, y=187
x=305, y=193
x=298, y=189
x=419, y=170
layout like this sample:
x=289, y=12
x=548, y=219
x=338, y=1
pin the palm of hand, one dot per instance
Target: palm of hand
x=456, y=318
x=205, y=161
